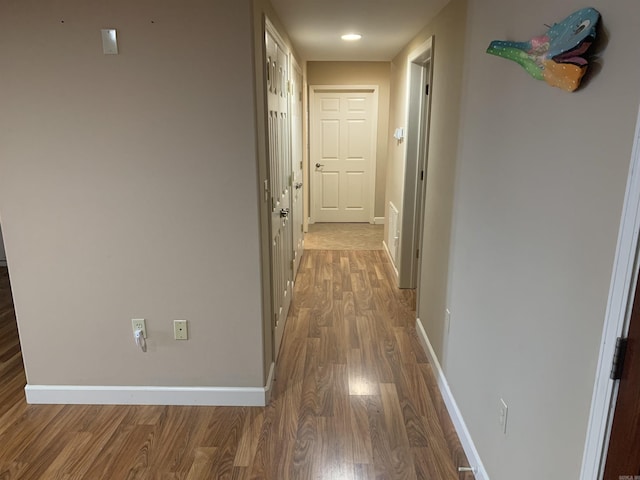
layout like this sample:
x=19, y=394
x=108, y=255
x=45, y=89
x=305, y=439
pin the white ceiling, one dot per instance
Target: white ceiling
x=315, y=26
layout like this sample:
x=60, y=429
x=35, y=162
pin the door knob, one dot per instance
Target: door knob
x=318, y=165
x=298, y=185
x=284, y=212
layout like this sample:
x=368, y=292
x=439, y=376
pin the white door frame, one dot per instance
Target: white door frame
x=416, y=149
x=313, y=89
x=295, y=68
x=625, y=272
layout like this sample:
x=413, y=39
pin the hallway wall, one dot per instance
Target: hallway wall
x=447, y=30
x=540, y=185
x=118, y=177
x=362, y=73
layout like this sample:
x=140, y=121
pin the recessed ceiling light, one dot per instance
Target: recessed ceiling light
x=351, y=37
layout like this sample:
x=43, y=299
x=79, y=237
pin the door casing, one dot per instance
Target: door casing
x=296, y=110
x=616, y=324
x=418, y=107
x=624, y=441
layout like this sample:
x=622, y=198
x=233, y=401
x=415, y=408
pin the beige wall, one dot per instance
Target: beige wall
x=447, y=30
x=541, y=180
x=362, y=73
x=126, y=183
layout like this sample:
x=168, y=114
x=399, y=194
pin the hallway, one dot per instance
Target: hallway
x=354, y=398
x=353, y=368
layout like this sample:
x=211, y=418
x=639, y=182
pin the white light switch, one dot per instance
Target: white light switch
x=109, y=41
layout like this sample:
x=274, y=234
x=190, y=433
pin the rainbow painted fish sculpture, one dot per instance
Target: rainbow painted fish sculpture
x=558, y=56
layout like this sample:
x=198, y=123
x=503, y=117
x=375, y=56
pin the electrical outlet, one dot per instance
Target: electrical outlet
x=180, y=330
x=139, y=324
x=504, y=410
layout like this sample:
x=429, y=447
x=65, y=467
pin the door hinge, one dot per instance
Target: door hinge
x=418, y=253
x=293, y=264
x=426, y=90
x=302, y=228
x=301, y=165
x=618, y=359
x=266, y=190
x=421, y=175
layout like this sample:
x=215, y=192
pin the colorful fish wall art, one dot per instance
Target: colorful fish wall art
x=559, y=57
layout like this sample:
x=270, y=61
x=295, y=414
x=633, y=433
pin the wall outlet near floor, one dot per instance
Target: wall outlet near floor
x=139, y=324
x=504, y=410
x=180, y=330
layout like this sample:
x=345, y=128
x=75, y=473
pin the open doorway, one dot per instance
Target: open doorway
x=3, y=256
x=622, y=460
x=415, y=173
x=360, y=133
x=12, y=376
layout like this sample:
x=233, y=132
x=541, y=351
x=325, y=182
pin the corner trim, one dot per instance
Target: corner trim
x=138, y=395
x=378, y=220
x=452, y=407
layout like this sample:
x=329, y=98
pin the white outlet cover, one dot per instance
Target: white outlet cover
x=180, y=331
x=139, y=324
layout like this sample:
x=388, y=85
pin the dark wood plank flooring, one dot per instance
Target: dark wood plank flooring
x=354, y=398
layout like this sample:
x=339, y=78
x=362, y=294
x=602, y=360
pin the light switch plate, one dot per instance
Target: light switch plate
x=109, y=41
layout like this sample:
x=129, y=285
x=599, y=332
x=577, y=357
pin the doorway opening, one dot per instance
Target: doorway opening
x=12, y=374
x=415, y=175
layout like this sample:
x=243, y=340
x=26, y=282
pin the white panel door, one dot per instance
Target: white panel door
x=343, y=133
x=280, y=174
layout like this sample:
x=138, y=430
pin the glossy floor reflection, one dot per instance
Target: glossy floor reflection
x=352, y=368
x=354, y=398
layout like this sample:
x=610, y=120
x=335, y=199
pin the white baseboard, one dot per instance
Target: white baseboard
x=452, y=407
x=378, y=220
x=134, y=395
x=386, y=249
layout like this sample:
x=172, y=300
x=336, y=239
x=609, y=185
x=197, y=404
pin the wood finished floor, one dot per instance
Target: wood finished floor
x=354, y=398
